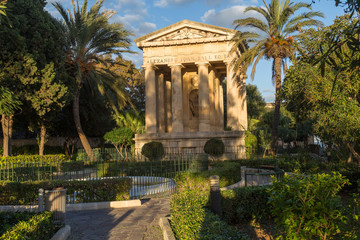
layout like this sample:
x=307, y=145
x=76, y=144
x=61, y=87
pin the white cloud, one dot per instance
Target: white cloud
x=226, y=17
x=164, y=3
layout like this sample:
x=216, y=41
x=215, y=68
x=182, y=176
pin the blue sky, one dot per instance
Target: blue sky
x=145, y=16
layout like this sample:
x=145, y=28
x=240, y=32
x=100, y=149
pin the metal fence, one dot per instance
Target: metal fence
x=148, y=177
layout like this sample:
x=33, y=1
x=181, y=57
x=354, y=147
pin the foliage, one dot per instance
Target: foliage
x=121, y=138
x=214, y=147
x=153, y=150
x=255, y=102
x=19, y=193
x=308, y=207
x=328, y=96
x=9, y=102
x=38, y=227
x=45, y=159
x=131, y=119
x=189, y=218
x=272, y=37
x=245, y=205
x=3, y=7
x=9, y=219
x=250, y=143
x=90, y=35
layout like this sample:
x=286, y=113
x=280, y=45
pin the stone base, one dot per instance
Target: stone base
x=193, y=142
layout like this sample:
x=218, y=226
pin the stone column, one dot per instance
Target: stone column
x=212, y=99
x=221, y=106
x=217, y=103
x=168, y=106
x=150, y=99
x=233, y=111
x=161, y=102
x=242, y=102
x=204, y=103
x=177, y=104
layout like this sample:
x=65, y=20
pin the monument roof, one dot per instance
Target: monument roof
x=185, y=32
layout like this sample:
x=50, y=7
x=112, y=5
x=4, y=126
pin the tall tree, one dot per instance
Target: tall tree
x=255, y=102
x=35, y=34
x=88, y=36
x=273, y=38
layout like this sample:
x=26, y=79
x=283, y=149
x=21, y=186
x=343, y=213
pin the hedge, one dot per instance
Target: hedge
x=15, y=193
x=38, y=227
x=242, y=205
x=45, y=159
x=190, y=219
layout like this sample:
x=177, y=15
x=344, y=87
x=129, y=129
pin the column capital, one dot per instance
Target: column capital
x=176, y=65
x=150, y=66
x=202, y=63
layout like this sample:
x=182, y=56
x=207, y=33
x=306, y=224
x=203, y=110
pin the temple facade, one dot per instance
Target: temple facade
x=187, y=65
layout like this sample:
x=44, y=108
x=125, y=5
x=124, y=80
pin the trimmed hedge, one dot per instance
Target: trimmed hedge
x=38, y=227
x=153, y=150
x=190, y=219
x=246, y=204
x=34, y=150
x=45, y=159
x=214, y=147
x=116, y=189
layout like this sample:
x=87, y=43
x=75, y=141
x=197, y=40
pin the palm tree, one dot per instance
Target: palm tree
x=273, y=38
x=89, y=35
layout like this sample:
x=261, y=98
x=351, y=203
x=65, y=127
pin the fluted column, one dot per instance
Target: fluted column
x=232, y=98
x=150, y=99
x=242, y=101
x=161, y=117
x=168, y=106
x=204, y=103
x=177, y=104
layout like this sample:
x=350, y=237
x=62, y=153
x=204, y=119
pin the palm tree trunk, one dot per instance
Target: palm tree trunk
x=82, y=136
x=42, y=139
x=6, y=122
x=274, y=137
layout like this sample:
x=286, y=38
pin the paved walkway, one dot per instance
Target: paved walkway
x=124, y=223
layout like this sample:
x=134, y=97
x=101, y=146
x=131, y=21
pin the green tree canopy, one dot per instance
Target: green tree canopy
x=273, y=38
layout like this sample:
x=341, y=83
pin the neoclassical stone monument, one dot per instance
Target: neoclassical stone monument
x=185, y=66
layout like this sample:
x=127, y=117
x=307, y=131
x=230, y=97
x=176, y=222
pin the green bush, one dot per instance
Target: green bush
x=214, y=147
x=308, y=206
x=15, y=193
x=153, y=150
x=189, y=217
x=38, y=227
x=9, y=219
x=245, y=204
x=23, y=159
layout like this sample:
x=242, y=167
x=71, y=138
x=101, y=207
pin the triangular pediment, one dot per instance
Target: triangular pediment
x=185, y=32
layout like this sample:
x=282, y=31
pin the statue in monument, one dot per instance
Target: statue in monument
x=194, y=97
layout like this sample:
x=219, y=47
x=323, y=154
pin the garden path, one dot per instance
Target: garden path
x=135, y=223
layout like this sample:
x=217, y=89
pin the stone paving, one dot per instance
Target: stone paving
x=124, y=223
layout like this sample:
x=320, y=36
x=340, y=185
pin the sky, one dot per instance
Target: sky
x=144, y=16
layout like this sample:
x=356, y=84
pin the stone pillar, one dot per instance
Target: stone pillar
x=232, y=103
x=161, y=103
x=150, y=99
x=204, y=104
x=212, y=99
x=177, y=104
x=217, y=103
x=168, y=106
x=242, y=102
x=221, y=106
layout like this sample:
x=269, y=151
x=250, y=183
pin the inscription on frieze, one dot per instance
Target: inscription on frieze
x=185, y=59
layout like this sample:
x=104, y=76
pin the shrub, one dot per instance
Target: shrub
x=14, y=193
x=214, y=147
x=9, y=219
x=34, y=150
x=23, y=159
x=189, y=217
x=308, y=207
x=245, y=204
x=121, y=138
x=38, y=227
x=153, y=150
